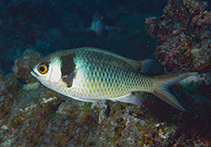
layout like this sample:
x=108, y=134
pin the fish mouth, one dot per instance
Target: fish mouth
x=33, y=73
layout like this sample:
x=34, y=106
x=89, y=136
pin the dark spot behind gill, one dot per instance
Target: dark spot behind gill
x=67, y=68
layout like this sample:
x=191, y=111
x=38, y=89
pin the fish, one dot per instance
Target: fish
x=89, y=74
x=99, y=27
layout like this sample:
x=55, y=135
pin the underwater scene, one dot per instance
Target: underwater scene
x=105, y=73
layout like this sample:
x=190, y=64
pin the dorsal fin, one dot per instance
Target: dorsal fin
x=148, y=66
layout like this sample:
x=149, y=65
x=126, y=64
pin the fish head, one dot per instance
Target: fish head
x=47, y=71
x=97, y=16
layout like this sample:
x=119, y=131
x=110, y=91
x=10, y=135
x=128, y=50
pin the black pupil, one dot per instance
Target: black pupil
x=42, y=69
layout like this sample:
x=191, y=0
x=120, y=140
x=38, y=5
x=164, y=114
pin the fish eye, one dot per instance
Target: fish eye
x=42, y=68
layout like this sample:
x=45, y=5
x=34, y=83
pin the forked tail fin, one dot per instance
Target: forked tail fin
x=161, y=88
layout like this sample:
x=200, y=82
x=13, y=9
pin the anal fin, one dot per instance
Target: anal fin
x=133, y=98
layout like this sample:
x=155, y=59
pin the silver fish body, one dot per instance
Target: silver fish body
x=90, y=74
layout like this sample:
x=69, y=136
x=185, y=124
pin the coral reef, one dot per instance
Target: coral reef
x=183, y=34
x=23, y=65
x=184, y=37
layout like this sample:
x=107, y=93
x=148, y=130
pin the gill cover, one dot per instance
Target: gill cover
x=47, y=71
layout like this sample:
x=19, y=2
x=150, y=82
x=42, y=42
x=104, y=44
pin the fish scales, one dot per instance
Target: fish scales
x=106, y=76
x=89, y=74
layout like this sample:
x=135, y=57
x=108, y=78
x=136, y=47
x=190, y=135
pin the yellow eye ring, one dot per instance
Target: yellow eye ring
x=42, y=68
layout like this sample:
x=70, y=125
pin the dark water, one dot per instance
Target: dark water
x=48, y=26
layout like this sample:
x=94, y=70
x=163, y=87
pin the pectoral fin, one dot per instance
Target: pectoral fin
x=68, y=79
